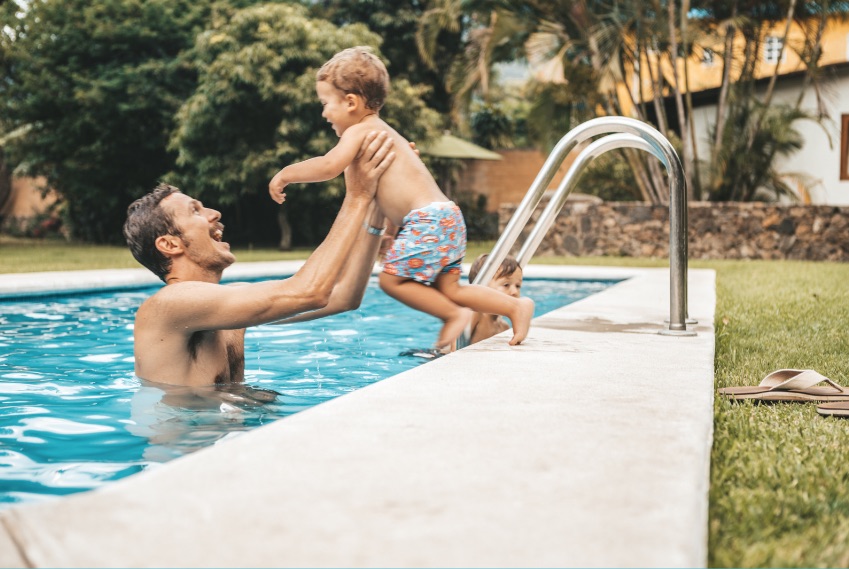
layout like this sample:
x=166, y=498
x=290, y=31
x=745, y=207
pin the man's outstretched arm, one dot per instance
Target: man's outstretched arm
x=194, y=306
x=332, y=255
x=351, y=287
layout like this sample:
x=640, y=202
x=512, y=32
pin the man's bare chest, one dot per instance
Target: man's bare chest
x=219, y=354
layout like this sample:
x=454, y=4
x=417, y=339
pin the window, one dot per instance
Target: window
x=772, y=48
x=844, y=147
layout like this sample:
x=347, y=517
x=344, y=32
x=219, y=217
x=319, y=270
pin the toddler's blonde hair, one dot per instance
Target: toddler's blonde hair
x=358, y=71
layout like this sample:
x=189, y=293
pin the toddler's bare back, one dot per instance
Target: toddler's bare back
x=407, y=184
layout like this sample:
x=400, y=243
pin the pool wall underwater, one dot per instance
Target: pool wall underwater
x=588, y=445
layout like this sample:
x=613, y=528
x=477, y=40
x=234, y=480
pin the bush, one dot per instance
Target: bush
x=481, y=225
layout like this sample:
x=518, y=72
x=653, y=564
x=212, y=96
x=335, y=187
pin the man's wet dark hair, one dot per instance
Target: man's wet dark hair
x=146, y=221
x=508, y=266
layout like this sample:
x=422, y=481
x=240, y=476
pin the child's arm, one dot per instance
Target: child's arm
x=320, y=168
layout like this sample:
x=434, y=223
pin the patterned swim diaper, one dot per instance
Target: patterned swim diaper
x=432, y=241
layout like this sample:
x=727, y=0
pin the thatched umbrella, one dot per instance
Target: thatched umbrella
x=448, y=149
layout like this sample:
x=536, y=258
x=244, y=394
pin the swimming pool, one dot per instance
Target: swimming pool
x=73, y=416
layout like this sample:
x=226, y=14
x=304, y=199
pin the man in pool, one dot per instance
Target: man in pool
x=192, y=331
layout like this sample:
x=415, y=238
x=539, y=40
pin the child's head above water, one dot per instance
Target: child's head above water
x=358, y=71
x=507, y=279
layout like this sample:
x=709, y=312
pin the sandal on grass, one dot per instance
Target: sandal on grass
x=791, y=385
x=834, y=409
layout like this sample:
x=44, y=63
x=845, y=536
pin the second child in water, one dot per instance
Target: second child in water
x=422, y=266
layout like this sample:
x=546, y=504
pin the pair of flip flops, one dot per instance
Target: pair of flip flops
x=797, y=385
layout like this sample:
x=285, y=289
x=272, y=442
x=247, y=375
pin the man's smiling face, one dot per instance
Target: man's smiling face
x=201, y=232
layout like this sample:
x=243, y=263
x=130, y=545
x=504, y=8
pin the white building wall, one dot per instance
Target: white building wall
x=819, y=158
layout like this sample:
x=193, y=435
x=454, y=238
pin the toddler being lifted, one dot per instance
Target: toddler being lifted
x=422, y=266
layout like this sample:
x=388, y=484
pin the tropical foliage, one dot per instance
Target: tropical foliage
x=583, y=52
x=104, y=99
x=760, y=134
x=92, y=88
x=254, y=110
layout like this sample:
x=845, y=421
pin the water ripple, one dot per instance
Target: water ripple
x=74, y=416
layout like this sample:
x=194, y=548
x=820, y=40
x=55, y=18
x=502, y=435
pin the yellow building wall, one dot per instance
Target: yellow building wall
x=702, y=76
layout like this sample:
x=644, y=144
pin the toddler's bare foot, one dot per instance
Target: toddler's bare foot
x=453, y=327
x=522, y=321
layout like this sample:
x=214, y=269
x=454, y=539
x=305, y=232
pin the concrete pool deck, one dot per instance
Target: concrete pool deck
x=588, y=445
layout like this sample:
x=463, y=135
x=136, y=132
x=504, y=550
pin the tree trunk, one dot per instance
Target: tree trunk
x=772, y=80
x=679, y=100
x=5, y=181
x=657, y=94
x=727, y=59
x=812, y=64
x=285, y=230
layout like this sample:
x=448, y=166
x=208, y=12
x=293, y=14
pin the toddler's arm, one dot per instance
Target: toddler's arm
x=320, y=168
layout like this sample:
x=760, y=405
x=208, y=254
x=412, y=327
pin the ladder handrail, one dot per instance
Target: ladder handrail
x=558, y=199
x=638, y=135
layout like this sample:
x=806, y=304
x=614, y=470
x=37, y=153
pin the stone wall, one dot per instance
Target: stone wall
x=728, y=230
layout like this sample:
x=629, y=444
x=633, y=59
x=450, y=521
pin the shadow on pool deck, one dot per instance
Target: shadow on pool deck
x=588, y=445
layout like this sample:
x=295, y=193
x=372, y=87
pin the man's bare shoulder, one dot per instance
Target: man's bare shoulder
x=179, y=290
x=177, y=294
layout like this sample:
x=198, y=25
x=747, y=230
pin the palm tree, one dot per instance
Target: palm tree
x=488, y=35
x=648, y=45
x=585, y=51
x=588, y=50
x=749, y=130
x=760, y=133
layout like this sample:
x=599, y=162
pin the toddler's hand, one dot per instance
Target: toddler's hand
x=275, y=189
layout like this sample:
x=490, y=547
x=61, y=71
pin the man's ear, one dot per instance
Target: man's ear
x=169, y=245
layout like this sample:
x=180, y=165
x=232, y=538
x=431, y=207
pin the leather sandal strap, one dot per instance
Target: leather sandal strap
x=799, y=380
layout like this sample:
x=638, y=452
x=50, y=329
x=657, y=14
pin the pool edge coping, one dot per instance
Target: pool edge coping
x=697, y=557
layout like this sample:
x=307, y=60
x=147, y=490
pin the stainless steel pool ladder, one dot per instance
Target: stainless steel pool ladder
x=621, y=132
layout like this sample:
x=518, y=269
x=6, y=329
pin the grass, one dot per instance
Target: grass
x=37, y=255
x=780, y=472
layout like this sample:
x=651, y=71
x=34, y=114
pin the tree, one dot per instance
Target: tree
x=255, y=110
x=761, y=134
x=499, y=125
x=97, y=85
x=396, y=22
x=749, y=129
x=603, y=45
x=581, y=52
x=479, y=33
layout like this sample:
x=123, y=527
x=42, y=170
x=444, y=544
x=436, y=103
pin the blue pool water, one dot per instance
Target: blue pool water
x=73, y=416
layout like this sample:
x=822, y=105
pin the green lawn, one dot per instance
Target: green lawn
x=36, y=255
x=779, y=473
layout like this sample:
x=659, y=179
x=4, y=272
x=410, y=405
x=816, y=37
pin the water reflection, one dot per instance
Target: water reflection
x=178, y=420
